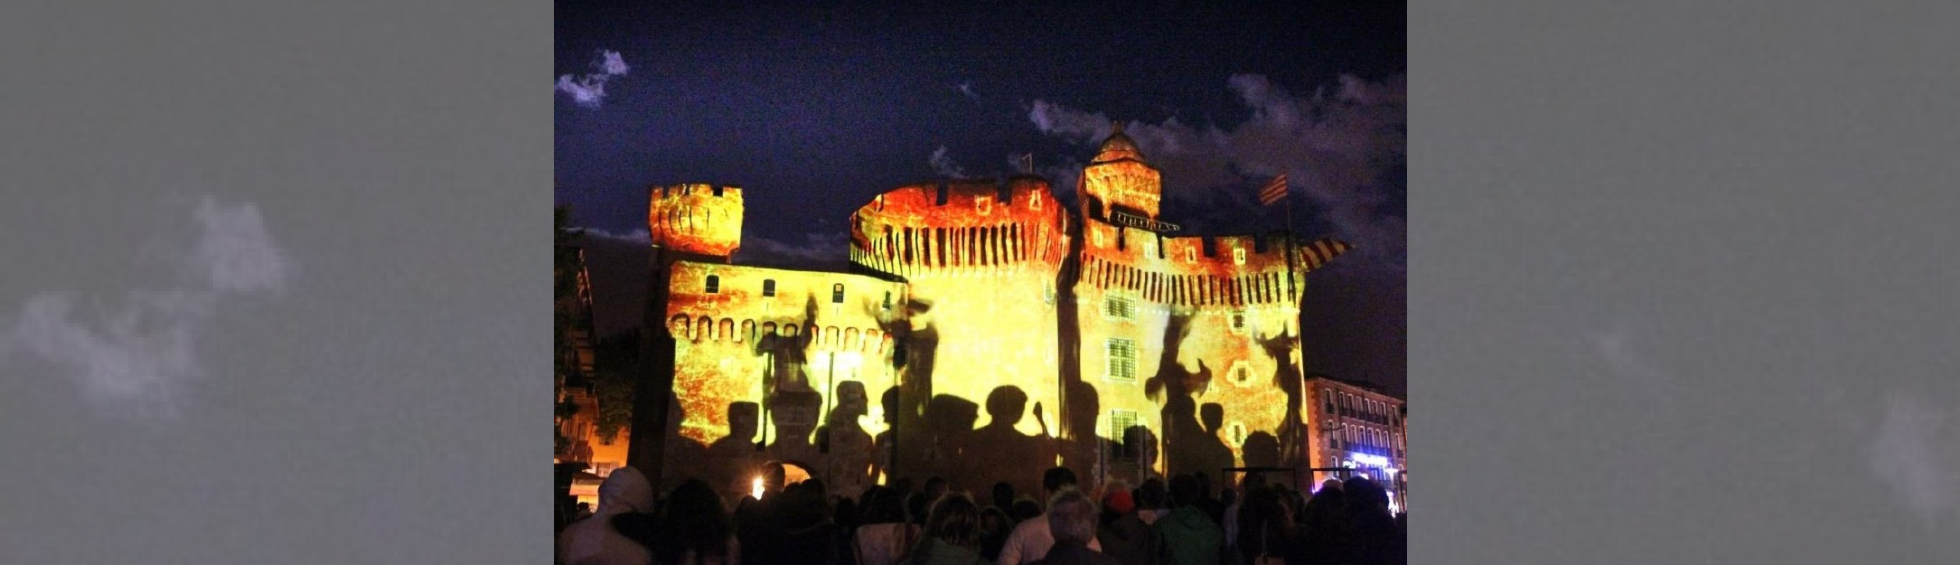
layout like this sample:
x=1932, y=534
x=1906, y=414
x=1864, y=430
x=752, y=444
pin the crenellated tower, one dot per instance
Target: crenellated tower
x=1118, y=180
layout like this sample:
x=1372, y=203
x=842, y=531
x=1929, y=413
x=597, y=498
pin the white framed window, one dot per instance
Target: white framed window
x=1238, y=256
x=1122, y=365
x=1120, y=308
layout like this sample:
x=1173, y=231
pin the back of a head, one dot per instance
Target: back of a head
x=1185, y=490
x=1151, y=494
x=1024, y=509
x=885, y=507
x=1054, y=480
x=955, y=519
x=935, y=487
x=695, y=520
x=1072, y=517
x=1362, y=493
x=1003, y=494
x=625, y=490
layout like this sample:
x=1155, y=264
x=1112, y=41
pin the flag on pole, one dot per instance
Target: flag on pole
x=1274, y=191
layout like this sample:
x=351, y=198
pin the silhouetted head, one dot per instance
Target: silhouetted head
x=1185, y=490
x=773, y=476
x=851, y=399
x=889, y=400
x=1212, y=415
x=1150, y=494
x=1057, y=478
x=1024, y=508
x=1006, y=404
x=1072, y=518
x=935, y=488
x=886, y=506
x=1003, y=495
x=1364, y=494
x=743, y=419
x=955, y=520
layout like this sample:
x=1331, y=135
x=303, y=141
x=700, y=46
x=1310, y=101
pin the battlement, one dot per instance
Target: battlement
x=695, y=218
x=960, y=225
x=1200, y=271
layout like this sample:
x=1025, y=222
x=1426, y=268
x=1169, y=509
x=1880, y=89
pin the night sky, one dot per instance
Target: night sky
x=815, y=110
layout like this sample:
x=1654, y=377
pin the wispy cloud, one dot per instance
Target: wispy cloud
x=818, y=250
x=133, y=357
x=638, y=236
x=1915, y=455
x=589, y=90
x=943, y=165
x=966, y=89
x=1341, y=150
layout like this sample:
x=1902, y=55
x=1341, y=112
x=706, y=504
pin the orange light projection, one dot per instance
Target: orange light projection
x=993, y=333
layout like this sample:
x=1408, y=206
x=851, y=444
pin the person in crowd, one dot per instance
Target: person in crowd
x=594, y=540
x=1320, y=526
x=1071, y=520
x=1230, y=522
x=806, y=533
x=887, y=534
x=1370, y=536
x=995, y=525
x=1024, y=509
x=1121, y=531
x=1151, y=496
x=1032, y=539
x=584, y=511
x=1189, y=535
x=1004, y=497
x=1266, y=528
x=952, y=533
x=1214, y=506
x=695, y=529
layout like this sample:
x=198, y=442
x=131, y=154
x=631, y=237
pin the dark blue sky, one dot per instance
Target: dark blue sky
x=816, y=109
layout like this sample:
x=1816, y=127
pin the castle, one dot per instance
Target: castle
x=985, y=332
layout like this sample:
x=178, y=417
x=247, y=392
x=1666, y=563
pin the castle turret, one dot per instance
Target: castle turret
x=695, y=221
x=1119, y=180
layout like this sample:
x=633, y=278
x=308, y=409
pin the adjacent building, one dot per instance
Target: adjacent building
x=1359, y=427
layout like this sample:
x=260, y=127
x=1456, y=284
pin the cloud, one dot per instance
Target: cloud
x=638, y=236
x=1344, y=153
x=132, y=358
x=966, y=88
x=825, y=250
x=1914, y=455
x=944, y=166
x=589, y=90
x=236, y=252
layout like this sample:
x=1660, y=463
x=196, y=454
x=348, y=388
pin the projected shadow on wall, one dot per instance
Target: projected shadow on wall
x=1288, y=377
x=1189, y=446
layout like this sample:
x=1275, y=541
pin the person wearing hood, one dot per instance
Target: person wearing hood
x=594, y=540
x=1189, y=536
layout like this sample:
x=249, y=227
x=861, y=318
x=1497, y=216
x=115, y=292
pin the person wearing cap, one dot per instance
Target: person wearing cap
x=1121, y=531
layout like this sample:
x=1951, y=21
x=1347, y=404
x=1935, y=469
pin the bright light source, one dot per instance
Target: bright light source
x=756, y=491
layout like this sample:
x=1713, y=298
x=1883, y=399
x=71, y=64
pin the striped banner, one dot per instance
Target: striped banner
x=1318, y=253
x=1274, y=191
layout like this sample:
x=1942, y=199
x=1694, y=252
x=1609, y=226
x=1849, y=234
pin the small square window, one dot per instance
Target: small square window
x=714, y=284
x=837, y=293
x=768, y=287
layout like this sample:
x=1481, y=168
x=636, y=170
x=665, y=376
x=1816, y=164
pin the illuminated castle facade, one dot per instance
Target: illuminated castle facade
x=985, y=333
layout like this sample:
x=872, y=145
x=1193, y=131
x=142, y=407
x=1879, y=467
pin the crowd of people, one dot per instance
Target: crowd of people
x=1344, y=522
